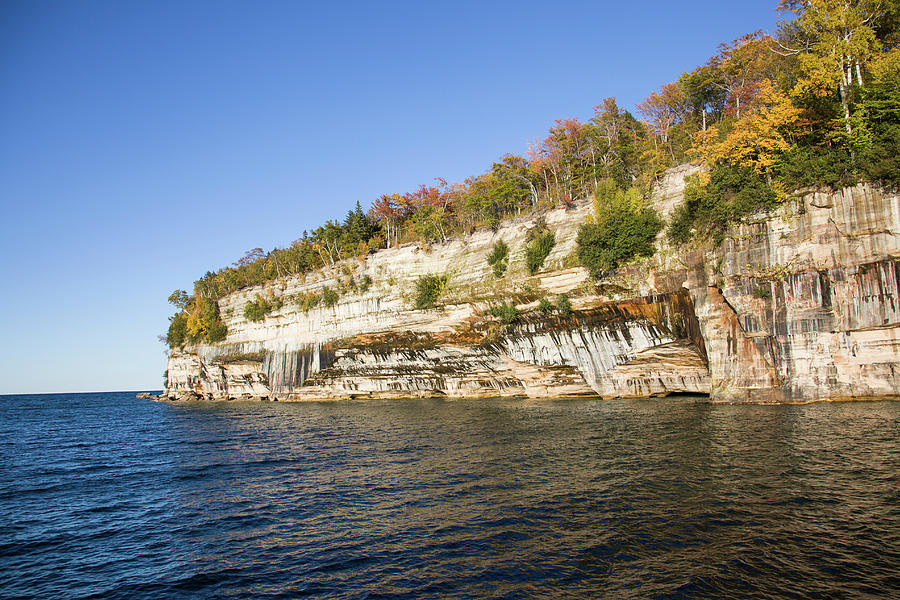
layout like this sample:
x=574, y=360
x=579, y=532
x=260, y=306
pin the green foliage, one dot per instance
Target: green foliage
x=621, y=229
x=545, y=305
x=506, y=312
x=180, y=299
x=357, y=228
x=762, y=293
x=428, y=289
x=797, y=120
x=732, y=193
x=198, y=321
x=431, y=223
x=203, y=322
x=364, y=284
x=256, y=310
x=308, y=300
x=815, y=166
x=235, y=357
x=499, y=258
x=564, y=305
x=329, y=297
x=177, y=334
x=217, y=332
x=881, y=108
x=538, y=243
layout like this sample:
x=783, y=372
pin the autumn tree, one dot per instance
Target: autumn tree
x=663, y=110
x=387, y=213
x=833, y=40
x=757, y=138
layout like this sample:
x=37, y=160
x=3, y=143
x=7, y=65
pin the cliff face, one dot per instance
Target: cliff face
x=799, y=305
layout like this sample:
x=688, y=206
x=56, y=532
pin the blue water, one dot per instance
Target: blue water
x=107, y=496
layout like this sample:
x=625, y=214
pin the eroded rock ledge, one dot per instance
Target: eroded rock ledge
x=796, y=306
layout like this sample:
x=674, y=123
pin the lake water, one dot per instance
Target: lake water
x=107, y=496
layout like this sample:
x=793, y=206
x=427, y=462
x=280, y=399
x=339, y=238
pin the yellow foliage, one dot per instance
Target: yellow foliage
x=195, y=325
x=885, y=66
x=757, y=137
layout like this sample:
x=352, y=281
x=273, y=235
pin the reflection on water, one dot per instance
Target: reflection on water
x=108, y=496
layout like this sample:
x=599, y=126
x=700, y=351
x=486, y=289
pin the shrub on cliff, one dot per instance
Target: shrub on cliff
x=197, y=321
x=329, y=297
x=428, y=289
x=506, y=312
x=177, y=333
x=307, y=301
x=256, y=310
x=621, y=228
x=730, y=194
x=217, y=332
x=499, y=258
x=538, y=244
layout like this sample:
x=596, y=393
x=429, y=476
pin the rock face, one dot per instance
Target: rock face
x=799, y=305
x=804, y=305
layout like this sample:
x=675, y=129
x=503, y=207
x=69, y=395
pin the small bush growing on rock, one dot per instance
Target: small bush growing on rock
x=234, y=357
x=177, y=333
x=365, y=284
x=507, y=312
x=621, y=228
x=217, y=332
x=499, y=258
x=538, y=244
x=329, y=297
x=730, y=194
x=428, y=289
x=256, y=310
x=308, y=300
x=762, y=293
x=563, y=305
x=545, y=305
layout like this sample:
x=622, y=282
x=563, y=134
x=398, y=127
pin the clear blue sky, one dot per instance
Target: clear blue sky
x=144, y=143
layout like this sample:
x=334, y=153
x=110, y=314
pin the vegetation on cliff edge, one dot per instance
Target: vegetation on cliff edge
x=815, y=103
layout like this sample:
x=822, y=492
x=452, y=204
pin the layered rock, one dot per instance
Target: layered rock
x=798, y=305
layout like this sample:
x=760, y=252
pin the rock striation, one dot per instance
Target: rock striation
x=798, y=305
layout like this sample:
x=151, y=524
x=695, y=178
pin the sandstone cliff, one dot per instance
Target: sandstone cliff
x=798, y=305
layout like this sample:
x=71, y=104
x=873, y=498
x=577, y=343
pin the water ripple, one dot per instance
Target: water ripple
x=106, y=496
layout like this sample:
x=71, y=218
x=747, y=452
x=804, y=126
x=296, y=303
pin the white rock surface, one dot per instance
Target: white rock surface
x=799, y=305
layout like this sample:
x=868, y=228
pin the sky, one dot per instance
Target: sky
x=145, y=143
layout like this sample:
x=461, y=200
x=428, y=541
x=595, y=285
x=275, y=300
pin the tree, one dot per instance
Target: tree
x=835, y=41
x=498, y=259
x=706, y=90
x=758, y=137
x=664, y=109
x=431, y=223
x=619, y=137
x=358, y=230
x=739, y=66
x=620, y=229
x=180, y=299
x=250, y=257
x=513, y=183
x=881, y=105
x=386, y=212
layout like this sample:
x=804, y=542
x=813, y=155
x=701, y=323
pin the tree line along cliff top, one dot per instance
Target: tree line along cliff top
x=814, y=104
